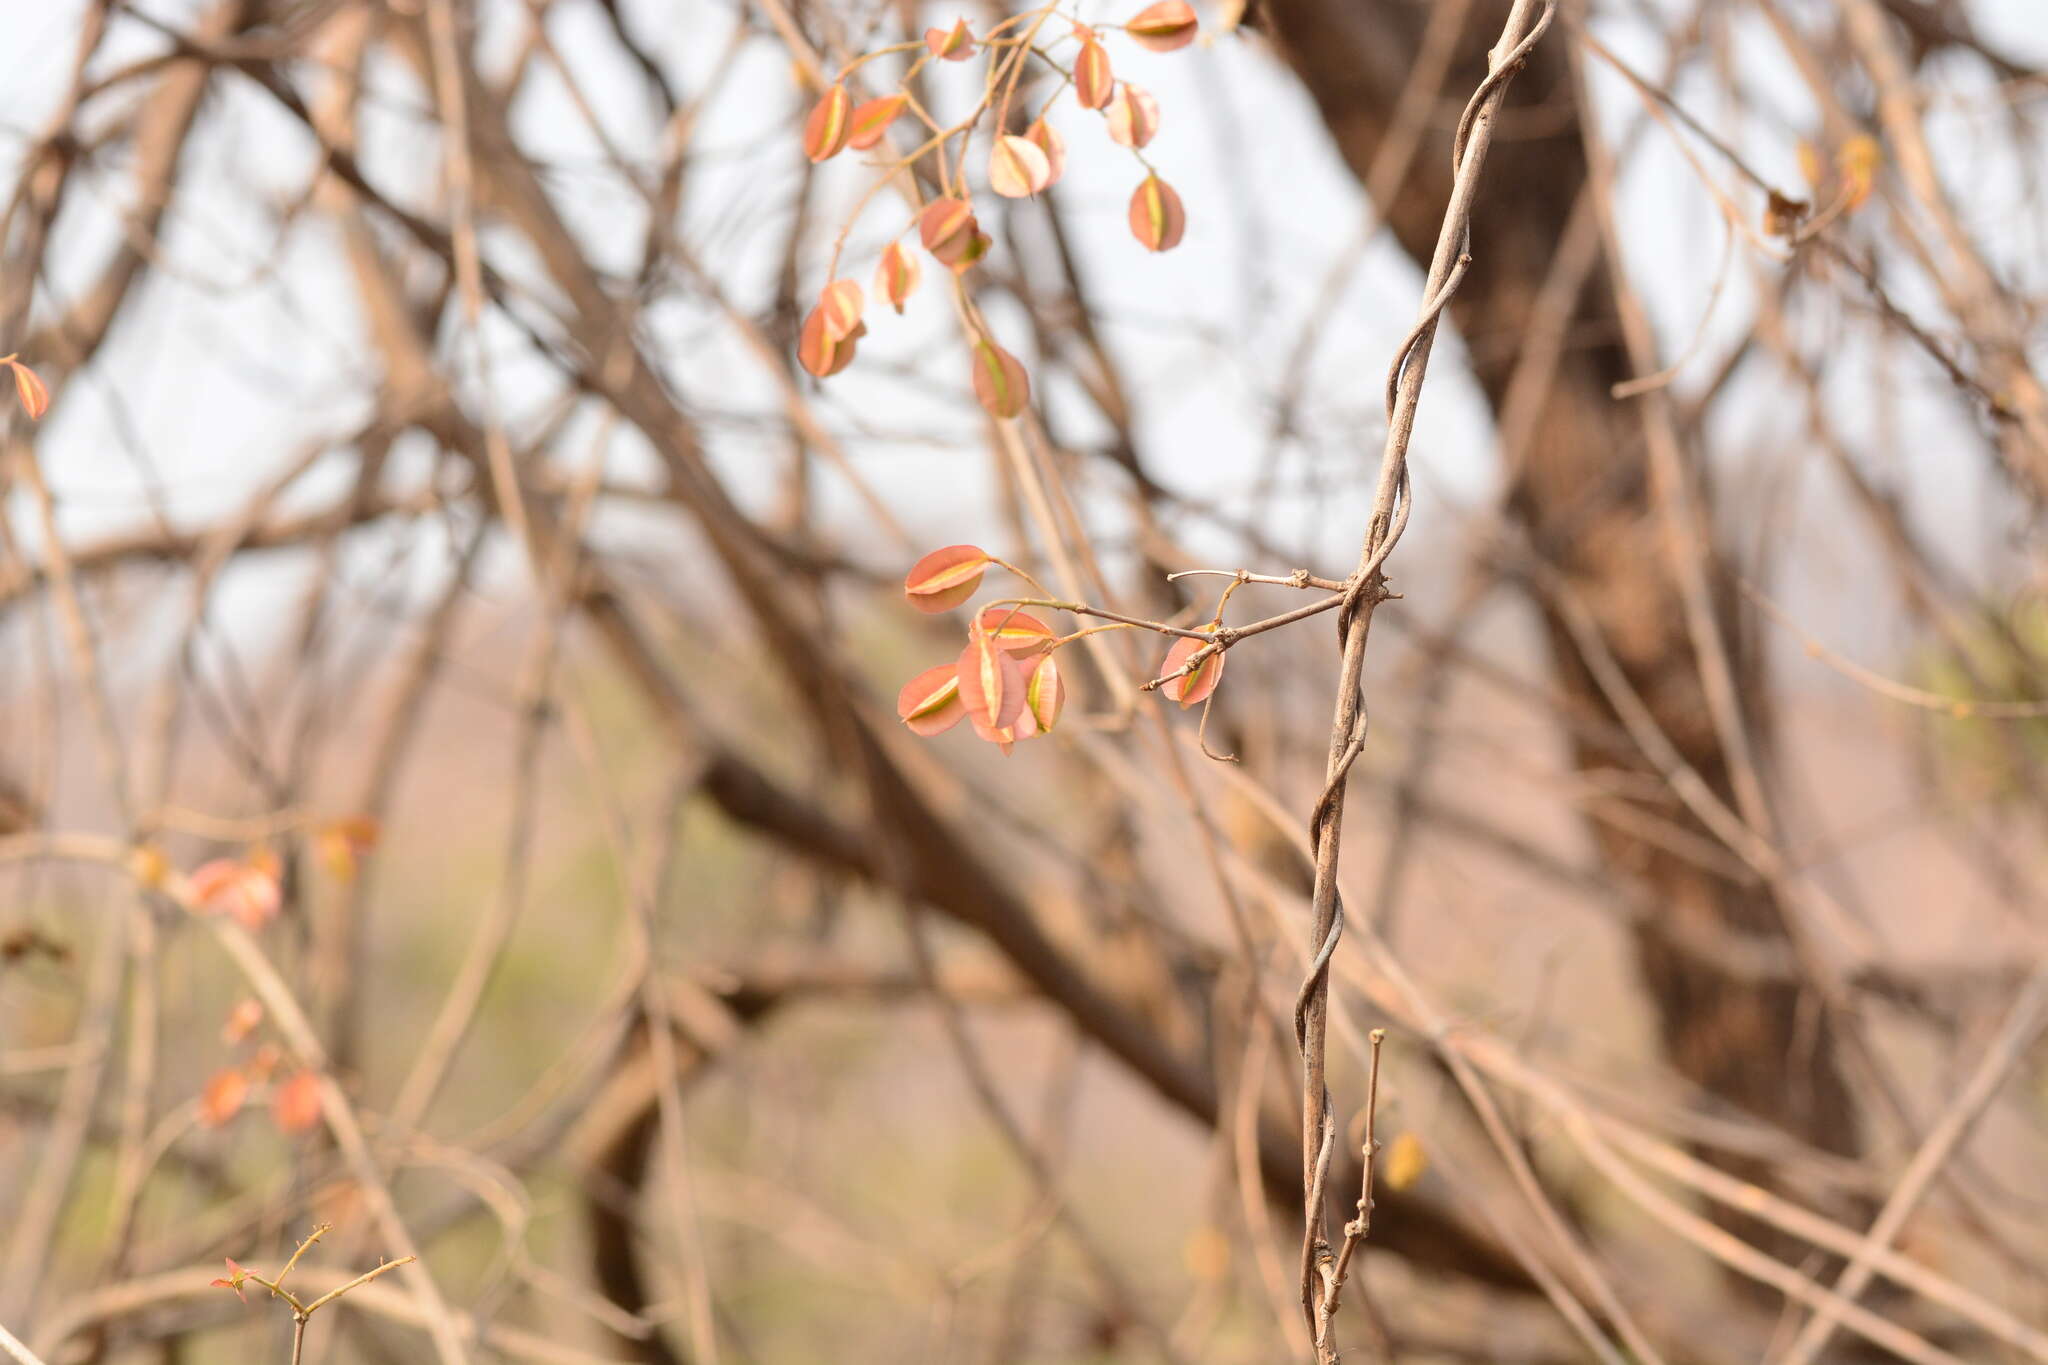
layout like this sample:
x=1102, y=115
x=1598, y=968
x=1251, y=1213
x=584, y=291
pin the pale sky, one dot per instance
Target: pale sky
x=221, y=379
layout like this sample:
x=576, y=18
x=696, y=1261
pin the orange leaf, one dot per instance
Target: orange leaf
x=1192, y=687
x=1165, y=27
x=242, y=1021
x=930, y=702
x=35, y=397
x=1157, y=218
x=1133, y=116
x=1093, y=82
x=896, y=275
x=948, y=229
x=1042, y=136
x=225, y=887
x=295, y=1105
x=818, y=352
x=825, y=131
x=1045, y=692
x=1017, y=631
x=223, y=1096
x=991, y=684
x=952, y=45
x=872, y=119
x=840, y=302
x=1018, y=168
x=946, y=577
x=1000, y=383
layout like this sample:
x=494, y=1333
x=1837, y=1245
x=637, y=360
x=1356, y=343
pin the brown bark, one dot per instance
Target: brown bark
x=1583, y=495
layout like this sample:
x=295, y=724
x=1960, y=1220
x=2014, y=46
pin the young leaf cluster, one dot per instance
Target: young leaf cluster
x=1024, y=157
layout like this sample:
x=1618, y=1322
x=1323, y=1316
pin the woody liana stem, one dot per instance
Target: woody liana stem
x=1525, y=23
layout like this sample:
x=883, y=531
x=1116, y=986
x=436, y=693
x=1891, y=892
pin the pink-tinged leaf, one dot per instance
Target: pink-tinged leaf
x=930, y=702
x=1045, y=692
x=951, y=45
x=1017, y=631
x=1157, y=218
x=991, y=684
x=872, y=118
x=222, y=1098
x=242, y=1021
x=1165, y=27
x=1018, y=168
x=896, y=275
x=29, y=386
x=1000, y=384
x=1133, y=116
x=826, y=129
x=946, y=577
x=1093, y=81
x=236, y=1274
x=1043, y=136
x=1191, y=688
x=947, y=227
x=295, y=1104
x=818, y=353
x=840, y=302
x=248, y=893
